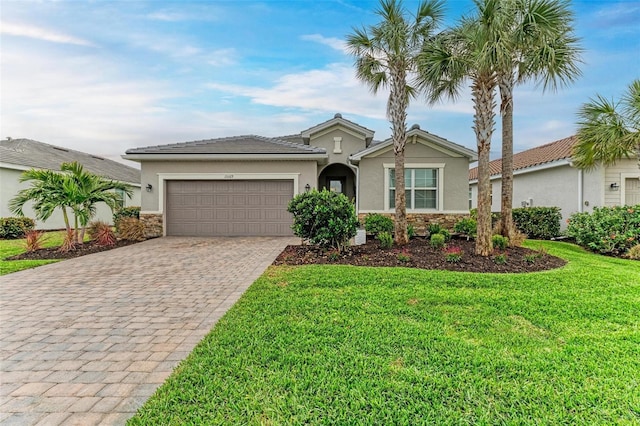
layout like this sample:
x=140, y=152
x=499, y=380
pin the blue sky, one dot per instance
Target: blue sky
x=105, y=76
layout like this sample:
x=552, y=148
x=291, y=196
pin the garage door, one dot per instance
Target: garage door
x=632, y=191
x=229, y=208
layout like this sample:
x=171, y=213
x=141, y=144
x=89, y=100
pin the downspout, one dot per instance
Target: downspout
x=580, y=191
x=357, y=185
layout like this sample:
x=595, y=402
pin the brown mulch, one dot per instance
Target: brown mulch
x=88, y=247
x=421, y=255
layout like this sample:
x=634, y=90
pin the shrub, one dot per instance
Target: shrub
x=324, y=217
x=403, y=257
x=375, y=223
x=634, y=252
x=69, y=243
x=530, y=258
x=386, y=240
x=607, y=230
x=466, y=226
x=500, y=259
x=411, y=231
x=437, y=241
x=33, y=241
x=12, y=228
x=131, y=229
x=517, y=239
x=542, y=223
x=132, y=211
x=500, y=242
x=434, y=228
x=453, y=254
x=101, y=233
x=446, y=234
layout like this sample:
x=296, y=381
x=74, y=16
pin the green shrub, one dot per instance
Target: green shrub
x=132, y=211
x=411, y=231
x=542, y=223
x=434, y=228
x=446, y=234
x=437, y=241
x=466, y=226
x=375, y=223
x=500, y=242
x=325, y=218
x=500, y=259
x=386, y=240
x=608, y=230
x=453, y=254
x=12, y=228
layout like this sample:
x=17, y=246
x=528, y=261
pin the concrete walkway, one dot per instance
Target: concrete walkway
x=88, y=340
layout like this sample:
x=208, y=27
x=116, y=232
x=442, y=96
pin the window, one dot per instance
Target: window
x=421, y=188
x=121, y=198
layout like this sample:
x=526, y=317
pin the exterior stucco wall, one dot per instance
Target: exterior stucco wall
x=10, y=185
x=151, y=171
x=349, y=144
x=455, y=185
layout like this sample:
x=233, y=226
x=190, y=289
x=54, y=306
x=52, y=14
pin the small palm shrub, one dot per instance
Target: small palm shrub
x=375, y=223
x=437, y=241
x=33, y=241
x=411, y=231
x=69, y=242
x=500, y=242
x=101, y=233
x=12, y=228
x=131, y=229
x=386, y=240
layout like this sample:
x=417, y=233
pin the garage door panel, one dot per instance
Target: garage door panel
x=228, y=208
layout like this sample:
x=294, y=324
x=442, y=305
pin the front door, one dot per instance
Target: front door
x=336, y=184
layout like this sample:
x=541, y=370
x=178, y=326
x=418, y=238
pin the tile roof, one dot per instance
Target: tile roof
x=248, y=144
x=40, y=155
x=554, y=151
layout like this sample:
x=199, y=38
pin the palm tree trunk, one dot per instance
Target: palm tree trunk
x=65, y=216
x=482, y=92
x=397, y=111
x=507, y=227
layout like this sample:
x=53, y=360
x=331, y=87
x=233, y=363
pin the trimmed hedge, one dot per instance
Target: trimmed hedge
x=12, y=228
x=608, y=230
x=542, y=223
x=375, y=223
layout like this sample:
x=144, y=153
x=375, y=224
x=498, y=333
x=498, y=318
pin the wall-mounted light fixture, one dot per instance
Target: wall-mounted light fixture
x=149, y=187
x=614, y=186
x=307, y=188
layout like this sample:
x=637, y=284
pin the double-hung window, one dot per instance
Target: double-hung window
x=422, y=187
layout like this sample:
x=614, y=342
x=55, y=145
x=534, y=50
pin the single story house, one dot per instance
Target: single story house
x=18, y=155
x=545, y=176
x=242, y=185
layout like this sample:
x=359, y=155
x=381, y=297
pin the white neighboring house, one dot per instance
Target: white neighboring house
x=18, y=155
x=545, y=177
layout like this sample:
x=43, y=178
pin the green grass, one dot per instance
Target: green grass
x=14, y=247
x=349, y=345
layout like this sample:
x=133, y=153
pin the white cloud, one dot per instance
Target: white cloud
x=222, y=57
x=21, y=30
x=332, y=42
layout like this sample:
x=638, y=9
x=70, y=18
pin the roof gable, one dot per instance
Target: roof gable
x=548, y=153
x=337, y=120
x=27, y=153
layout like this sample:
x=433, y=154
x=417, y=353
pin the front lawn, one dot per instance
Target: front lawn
x=356, y=345
x=14, y=247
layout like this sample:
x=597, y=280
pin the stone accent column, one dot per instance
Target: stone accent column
x=152, y=224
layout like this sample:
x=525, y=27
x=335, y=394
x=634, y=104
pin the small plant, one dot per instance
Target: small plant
x=634, y=252
x=500, y=259
x=375, y=223
x=131, y=229
x=411, y=231
x=69, y=243
x=453, y=254
x=403, y=256
x=15, y=227
x=434, y=228
x=131, y=211
x=466, y=226
x=333, y=256
x=500, y=242
x=33, y=241
x=386, y=240
x=437, y=241
x=530, y=258
x=517, y=239
x=101, y=233
x=446, y=234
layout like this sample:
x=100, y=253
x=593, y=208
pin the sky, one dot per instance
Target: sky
x=105, y=76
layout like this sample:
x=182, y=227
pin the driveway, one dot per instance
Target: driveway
x=88, y=340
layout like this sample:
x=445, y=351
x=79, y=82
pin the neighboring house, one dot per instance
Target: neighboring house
x=545, y=176
x=18, y=155
x=242, y=185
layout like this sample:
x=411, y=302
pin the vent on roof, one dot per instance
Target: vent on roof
x=60, y=149
x=96, y=157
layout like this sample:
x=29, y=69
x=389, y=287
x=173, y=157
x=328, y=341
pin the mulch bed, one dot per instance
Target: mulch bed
x=88, y=247
x=421, y=255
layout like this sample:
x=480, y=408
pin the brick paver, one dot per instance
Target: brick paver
x=88, y=340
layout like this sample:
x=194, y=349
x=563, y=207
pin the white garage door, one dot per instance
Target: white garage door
x=228, y=207
x=632, y=191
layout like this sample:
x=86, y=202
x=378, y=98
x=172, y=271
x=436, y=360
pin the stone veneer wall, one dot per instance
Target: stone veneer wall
x=152, y=224
x=421, y=221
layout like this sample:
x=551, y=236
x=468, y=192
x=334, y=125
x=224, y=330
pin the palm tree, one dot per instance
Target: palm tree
x=470, y=52
x=541, y=46
x=609, y=131
x=385, y=56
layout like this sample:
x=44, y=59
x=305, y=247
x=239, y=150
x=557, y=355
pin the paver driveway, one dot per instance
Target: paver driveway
x=88, y=340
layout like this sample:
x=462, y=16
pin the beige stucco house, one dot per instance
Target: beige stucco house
x=241, y=185
x=545, y=176
x=18, y=155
